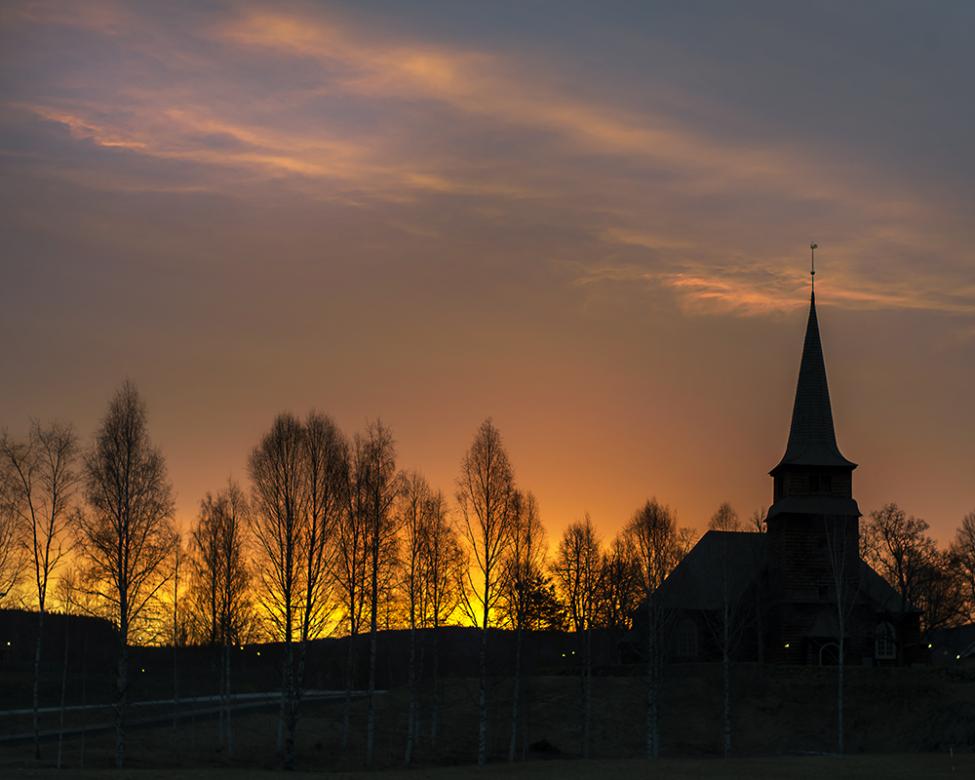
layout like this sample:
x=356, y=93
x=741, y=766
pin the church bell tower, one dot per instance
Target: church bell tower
x=813, y=514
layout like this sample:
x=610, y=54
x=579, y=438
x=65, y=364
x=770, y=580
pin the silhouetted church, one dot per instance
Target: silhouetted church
x=782, y=587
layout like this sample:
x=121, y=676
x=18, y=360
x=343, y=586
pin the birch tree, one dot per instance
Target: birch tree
x=44, y=480
x=577, y=573
x=522, y=565
x=842, y=548
x=280, y=495
x=221, y=581
x=414, y=521
x=657, y=546
x=441, y=565
x=126, y=533
x=11, y=539
x=375, y=466
x=962, y=553
x=486, y=496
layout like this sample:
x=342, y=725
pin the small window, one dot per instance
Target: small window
x=885, y=642
x=687, y=639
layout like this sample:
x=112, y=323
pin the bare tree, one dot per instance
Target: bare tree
x=12, y=561
x=415, y=519
x=620, y=587
x=378, y=485
x=725, y=519
x=842, y=547
x=899, y=548
x=178, y=627
x=658, y=547
x=577, y=575
x=350, y=572
x=963, y=560
x=486, y=496
x=941, y=592
x=220, y=584
x=756, y=521
x=279, y=477
x=126, y=534
x=43, y=485
x=522, y=564
x=441, y=565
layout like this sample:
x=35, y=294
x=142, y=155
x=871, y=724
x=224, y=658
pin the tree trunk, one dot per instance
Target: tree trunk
x=373, y=637
x=37, y=675
x=291, y=710
x=411, y=715
x=349, y=682
x=64, y=690
x=175, y=689
x=122, y=690
x=84, y=694
x=587, y=697
x=726, y=685
x=515, y=698
x=482, y=725
x=227, y=699
x=435, y=672
x=839, y=694
x=652, y=747
x=726, y=661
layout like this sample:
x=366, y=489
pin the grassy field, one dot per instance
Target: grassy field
x=890, y=767
x=780, y=714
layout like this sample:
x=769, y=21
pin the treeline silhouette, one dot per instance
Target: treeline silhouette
x=330, y=537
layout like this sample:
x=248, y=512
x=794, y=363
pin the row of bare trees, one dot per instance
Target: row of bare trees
x=332, y=537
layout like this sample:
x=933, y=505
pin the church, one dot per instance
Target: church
x=788, y=595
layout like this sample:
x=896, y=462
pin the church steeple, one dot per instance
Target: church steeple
x=812, y=438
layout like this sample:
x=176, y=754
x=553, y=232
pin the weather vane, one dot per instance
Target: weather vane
x=812, y=263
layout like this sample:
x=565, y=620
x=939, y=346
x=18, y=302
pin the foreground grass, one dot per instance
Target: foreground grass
x=927, y=765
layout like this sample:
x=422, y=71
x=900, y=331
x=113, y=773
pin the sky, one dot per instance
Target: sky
x=587, y=222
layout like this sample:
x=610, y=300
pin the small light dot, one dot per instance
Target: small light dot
x=143, y=670
x=930, y=645
x=786, y=645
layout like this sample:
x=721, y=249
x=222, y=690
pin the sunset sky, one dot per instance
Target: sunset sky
x=589, y=222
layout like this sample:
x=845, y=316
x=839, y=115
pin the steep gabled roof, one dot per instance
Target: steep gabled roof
x=812, y=439
x=697, y=581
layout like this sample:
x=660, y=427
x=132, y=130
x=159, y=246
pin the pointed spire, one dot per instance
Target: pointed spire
x=812, y=439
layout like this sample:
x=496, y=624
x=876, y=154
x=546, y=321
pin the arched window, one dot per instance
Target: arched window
x=885, y=642
x=687, y=639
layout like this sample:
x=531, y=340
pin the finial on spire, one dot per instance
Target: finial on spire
x=812, y=264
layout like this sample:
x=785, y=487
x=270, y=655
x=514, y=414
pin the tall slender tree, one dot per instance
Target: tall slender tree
x=414, y=520
x=43, y=486
x=280, y=495
x=126, y=534
x=578, y=574
x=962, y=553
x=658, y=547
x=522, y=565
x=486, y=496
x=441, y=564
x=375, y=467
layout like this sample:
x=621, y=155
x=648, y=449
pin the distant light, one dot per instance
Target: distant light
x=930, y=645
x=258, y=652
x=957, y=657
x=241, y=647
x=573, y=652
x=786, y=645
x=143, y=670
x=8, y=643
x=563, y=655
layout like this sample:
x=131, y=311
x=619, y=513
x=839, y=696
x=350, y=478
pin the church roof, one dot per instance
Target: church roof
x=812, y=439
x=697, y=581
